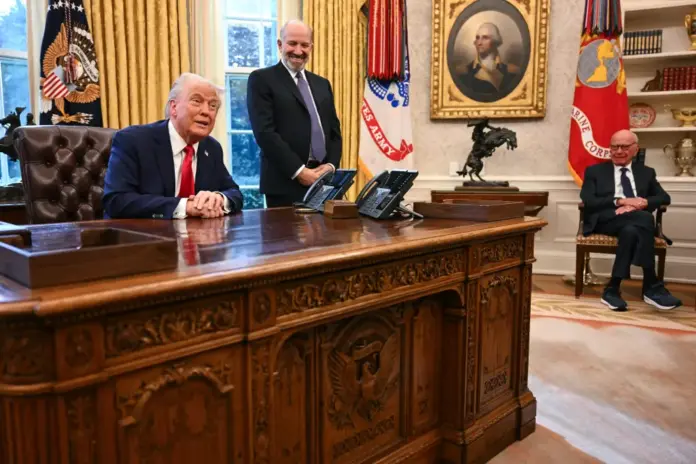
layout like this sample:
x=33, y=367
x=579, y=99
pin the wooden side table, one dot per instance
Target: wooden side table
x=533, y=201
x=13, y=212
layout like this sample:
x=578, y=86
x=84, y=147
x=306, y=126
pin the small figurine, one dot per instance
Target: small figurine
x=6, y=145
x=485, y=144
x=654, y=84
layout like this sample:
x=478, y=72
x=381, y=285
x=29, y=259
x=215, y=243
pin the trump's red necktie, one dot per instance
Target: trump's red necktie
x=188, y=185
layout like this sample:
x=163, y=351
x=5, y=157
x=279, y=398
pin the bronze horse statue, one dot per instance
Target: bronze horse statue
x=12, y=122
x=484, y=146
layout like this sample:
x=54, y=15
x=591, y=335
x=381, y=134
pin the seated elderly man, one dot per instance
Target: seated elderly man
x=619, y=199
x=173, y=169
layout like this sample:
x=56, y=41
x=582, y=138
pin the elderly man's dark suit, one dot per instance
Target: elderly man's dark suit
x=635, y=230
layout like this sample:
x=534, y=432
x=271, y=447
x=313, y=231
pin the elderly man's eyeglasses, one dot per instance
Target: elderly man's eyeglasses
x=622, y=147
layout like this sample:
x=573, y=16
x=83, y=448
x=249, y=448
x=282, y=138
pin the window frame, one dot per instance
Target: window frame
x=243, y=71
x=16, y=55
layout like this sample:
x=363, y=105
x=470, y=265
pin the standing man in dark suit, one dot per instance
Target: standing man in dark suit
x=294, y=120
x=173, y=169
x=619, y=199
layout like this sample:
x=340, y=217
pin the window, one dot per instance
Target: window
x=14, y=74
x=252, y=27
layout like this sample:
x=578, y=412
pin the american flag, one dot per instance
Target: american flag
x=53, y=87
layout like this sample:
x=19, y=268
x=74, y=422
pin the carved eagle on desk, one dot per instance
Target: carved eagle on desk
x=362, y=382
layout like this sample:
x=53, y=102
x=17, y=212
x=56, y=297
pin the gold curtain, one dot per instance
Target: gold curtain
x=339, y=55
x=142, y=46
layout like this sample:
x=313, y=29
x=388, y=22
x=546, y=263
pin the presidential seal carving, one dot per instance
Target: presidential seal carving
x=363, y=379
x=364, y=371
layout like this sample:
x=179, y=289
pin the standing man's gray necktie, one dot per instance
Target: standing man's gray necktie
x=318, y=147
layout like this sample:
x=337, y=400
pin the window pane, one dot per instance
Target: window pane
x=253, y=199
x=13, y=170
x=243, y=44
x=237, y=111
x=15, y=87
x=15, y=93
x=252, y=8
x=13, y=24
x=245, y=159
x=270, y=48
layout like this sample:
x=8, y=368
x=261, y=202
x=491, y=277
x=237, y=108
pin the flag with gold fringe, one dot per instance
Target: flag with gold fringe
x=70, y=92
x=600, y=105
x=386, y=140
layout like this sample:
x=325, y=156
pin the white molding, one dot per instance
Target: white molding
x=542, y=179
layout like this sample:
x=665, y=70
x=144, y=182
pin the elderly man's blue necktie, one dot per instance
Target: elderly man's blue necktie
x=626, y=184
x=318, y=146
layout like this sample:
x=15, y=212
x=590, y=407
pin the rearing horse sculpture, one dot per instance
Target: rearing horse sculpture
x=484, y=146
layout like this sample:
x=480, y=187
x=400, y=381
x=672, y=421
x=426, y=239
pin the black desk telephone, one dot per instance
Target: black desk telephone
x=330, y=186
x=383, y=194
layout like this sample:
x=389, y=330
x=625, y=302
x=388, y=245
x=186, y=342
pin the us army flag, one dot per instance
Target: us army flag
x=386, y=140
x=600, y=106
x=70, y=91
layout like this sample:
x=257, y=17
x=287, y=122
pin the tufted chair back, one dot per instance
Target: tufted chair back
x=63, y=169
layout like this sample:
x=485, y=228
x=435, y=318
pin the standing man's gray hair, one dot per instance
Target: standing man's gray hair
x=181, y=81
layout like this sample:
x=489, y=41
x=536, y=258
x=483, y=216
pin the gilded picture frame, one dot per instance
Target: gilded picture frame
x=489, y=59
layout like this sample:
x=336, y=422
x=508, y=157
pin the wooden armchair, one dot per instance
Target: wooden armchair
x=599, y=243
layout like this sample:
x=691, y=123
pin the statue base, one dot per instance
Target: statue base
x=472, y=186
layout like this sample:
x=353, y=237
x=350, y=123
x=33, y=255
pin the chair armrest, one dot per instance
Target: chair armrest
x=581, y=209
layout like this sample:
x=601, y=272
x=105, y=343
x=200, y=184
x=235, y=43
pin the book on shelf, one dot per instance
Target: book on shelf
x=679, y=78
x=643, y=42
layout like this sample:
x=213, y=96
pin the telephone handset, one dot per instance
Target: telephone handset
x=376, y=181
x=384, y=193
x=330, y=186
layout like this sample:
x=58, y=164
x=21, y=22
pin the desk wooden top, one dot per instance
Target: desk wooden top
x=243, y=250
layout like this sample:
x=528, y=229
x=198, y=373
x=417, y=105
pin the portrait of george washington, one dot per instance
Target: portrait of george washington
x=488, y=50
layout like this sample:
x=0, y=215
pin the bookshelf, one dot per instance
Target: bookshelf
x=668, y=17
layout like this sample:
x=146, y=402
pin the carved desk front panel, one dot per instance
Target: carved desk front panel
x=415, y=350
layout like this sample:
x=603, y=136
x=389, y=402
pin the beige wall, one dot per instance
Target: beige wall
x=539, y=162
x=542, y=143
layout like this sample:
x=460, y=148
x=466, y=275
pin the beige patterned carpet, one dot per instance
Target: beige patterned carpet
x=611, y=387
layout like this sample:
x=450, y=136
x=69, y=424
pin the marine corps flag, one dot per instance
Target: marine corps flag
x=600, y=107
x=386, y=140
x=69, y=73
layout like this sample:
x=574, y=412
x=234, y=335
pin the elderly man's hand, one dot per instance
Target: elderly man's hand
x=637, y=203
x=205, y=204
x=625, y=209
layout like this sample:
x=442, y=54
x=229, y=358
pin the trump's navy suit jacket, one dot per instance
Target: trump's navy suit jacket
x=140, y=181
